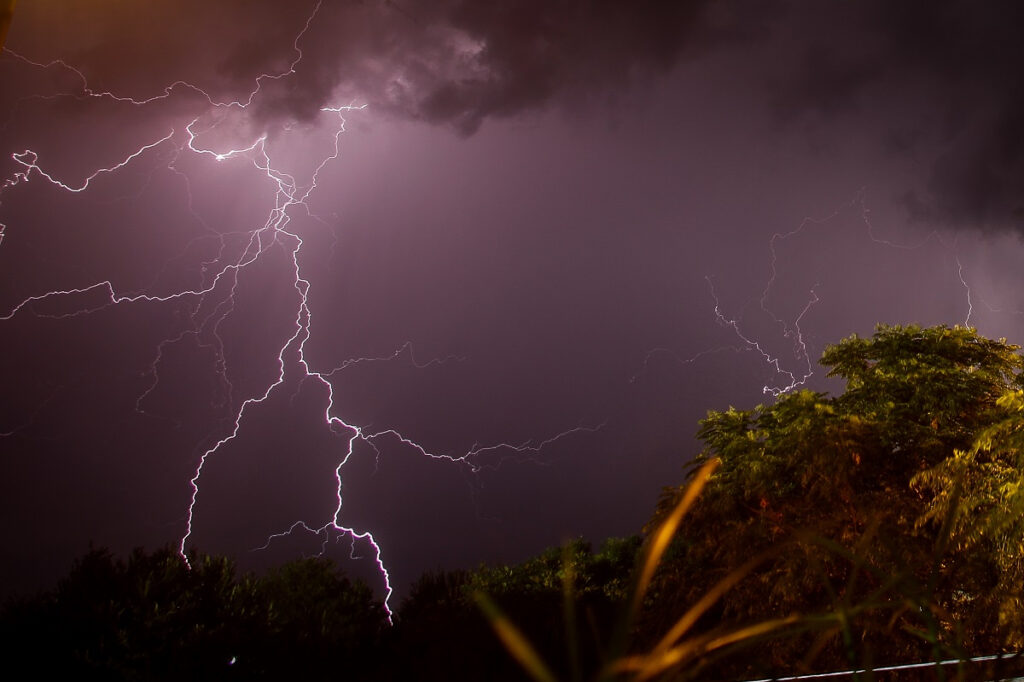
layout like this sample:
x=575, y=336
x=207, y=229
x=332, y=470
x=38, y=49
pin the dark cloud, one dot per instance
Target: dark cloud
x=947, y=80
x=951, y=72
x=552, y=256
x=505, y=58
x=450, y=62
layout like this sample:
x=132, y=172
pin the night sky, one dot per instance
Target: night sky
x=513, y=250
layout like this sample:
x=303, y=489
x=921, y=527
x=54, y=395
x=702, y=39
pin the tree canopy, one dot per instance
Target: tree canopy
x=898, y=503
x=152, y=617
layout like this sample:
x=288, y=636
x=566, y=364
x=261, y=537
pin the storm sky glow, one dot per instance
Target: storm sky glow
x=419, y=285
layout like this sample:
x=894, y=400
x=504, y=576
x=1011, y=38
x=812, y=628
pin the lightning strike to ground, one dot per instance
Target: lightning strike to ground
x=211, y=303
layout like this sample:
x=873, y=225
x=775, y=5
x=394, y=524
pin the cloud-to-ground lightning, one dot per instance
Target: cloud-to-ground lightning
x=175, y=281
x=211, y=302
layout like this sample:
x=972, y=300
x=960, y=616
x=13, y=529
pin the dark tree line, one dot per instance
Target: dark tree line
x=151, y=617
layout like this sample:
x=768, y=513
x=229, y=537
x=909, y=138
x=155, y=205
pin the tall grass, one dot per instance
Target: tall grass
x=685, y=651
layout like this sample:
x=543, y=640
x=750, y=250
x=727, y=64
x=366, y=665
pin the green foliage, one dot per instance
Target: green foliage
x=929, y=388
x=980, y=491
x=678, y=652
x=315, y=621
x=853, y=493
x=571, y=584
x=602, y=574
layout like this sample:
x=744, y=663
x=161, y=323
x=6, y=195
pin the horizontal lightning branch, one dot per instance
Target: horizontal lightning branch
x=212, y=302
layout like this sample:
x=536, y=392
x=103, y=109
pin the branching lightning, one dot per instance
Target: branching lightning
x=791, y=331
x=794, y=333
x=212, y=302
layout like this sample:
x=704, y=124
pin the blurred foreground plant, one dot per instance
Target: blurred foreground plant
x=674, y=650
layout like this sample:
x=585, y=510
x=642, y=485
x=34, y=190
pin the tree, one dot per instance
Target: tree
x=567, y=600
x=154, y=617
x=315, y=622
x=980, y=493
x=854, y=501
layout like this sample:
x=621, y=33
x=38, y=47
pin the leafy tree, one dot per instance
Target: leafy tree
x=851, y=500
x=154, y=617
x=315, y=622
x=980, y=492
x=567, y=599
x=142, y=618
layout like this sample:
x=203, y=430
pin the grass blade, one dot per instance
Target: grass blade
x=516, y=644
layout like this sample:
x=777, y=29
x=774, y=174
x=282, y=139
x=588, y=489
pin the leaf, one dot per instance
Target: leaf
x=516, y=644
x=663, y=535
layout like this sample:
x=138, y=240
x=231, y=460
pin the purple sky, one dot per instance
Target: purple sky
x=582, y=221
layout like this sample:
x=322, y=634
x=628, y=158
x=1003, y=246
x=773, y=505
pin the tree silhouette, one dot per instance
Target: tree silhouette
x=153, y=616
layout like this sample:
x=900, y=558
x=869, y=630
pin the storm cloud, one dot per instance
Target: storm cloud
x=452, y=62
x=614, y=214
x=945, y=81
x=942, y=81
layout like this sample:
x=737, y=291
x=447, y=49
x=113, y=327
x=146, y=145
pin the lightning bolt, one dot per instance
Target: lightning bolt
x=210, y=303
x=794, y=333
x=791, y=331
x=967, y=288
